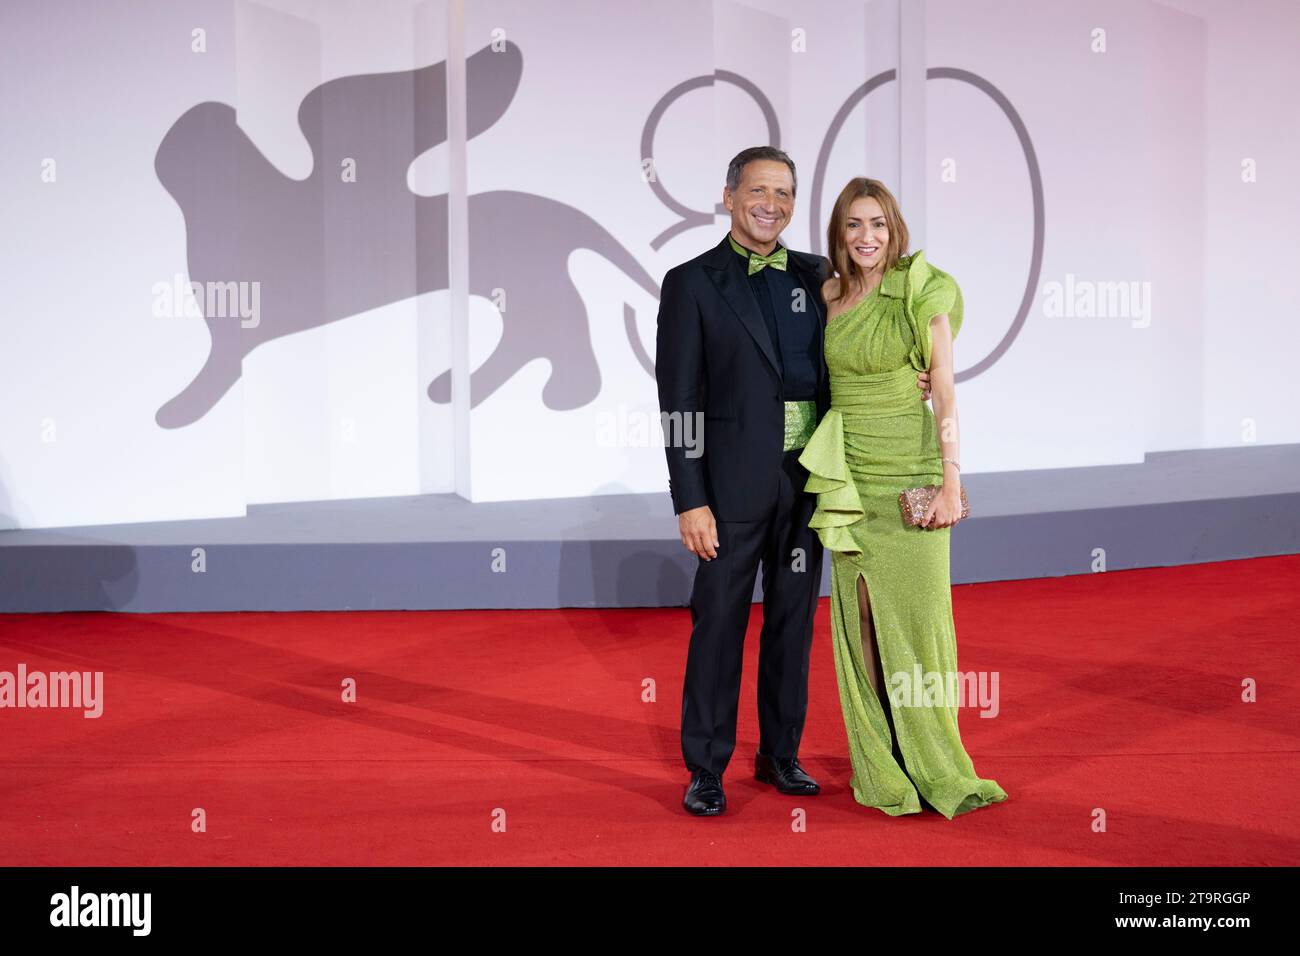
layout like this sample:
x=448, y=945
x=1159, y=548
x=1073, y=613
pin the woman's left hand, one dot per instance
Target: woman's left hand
x=945, y=509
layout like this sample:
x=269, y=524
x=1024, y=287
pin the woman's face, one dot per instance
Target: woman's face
x=865, y=234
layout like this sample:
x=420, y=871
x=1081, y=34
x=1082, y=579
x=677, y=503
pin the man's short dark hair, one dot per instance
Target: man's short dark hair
x=759, y=152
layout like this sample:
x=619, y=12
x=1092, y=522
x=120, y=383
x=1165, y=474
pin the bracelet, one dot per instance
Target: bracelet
x=954, y=462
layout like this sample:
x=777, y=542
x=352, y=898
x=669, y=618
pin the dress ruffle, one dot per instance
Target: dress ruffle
x=838, y=504
x=927, y=291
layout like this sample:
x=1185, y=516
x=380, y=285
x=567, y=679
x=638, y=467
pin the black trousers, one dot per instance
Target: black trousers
x=790, y=554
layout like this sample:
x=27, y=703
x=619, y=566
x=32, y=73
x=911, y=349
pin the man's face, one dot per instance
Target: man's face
x=762, y=204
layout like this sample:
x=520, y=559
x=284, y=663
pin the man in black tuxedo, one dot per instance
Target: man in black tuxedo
x=739, y=352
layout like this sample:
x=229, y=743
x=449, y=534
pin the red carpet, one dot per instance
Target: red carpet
x=1118, y=691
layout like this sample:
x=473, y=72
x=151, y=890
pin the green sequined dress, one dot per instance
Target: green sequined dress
x=878, y=438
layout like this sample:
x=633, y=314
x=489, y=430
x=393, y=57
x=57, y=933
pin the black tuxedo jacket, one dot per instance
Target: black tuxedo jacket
x=714, y=357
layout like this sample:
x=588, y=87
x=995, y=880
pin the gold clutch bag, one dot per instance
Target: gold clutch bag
x=916, y=500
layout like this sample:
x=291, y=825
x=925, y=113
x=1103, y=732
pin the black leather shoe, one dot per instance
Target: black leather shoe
x=704, y=797
x=787, y=775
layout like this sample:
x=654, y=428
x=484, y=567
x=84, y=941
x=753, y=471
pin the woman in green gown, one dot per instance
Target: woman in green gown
x=889, y=315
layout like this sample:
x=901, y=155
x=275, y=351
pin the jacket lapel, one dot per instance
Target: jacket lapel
x=731, y=281
x=733, y=284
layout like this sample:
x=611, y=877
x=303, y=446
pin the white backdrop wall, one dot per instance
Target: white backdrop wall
x=1160, y=132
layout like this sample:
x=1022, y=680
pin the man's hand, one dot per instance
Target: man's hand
x=699, y=532
x=923, y=383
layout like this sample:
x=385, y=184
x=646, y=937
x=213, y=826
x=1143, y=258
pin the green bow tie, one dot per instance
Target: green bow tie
x=777, y=260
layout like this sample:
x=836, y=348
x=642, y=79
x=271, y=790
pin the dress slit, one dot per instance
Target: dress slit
x=877, y=781
x=882, y=696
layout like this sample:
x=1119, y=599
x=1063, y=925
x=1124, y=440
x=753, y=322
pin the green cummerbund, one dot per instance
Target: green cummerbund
x=800, y=423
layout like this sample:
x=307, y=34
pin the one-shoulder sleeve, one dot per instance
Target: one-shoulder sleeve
x=929, y=291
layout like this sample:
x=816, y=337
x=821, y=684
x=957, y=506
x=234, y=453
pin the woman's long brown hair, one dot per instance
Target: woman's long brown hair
x=848, y=272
